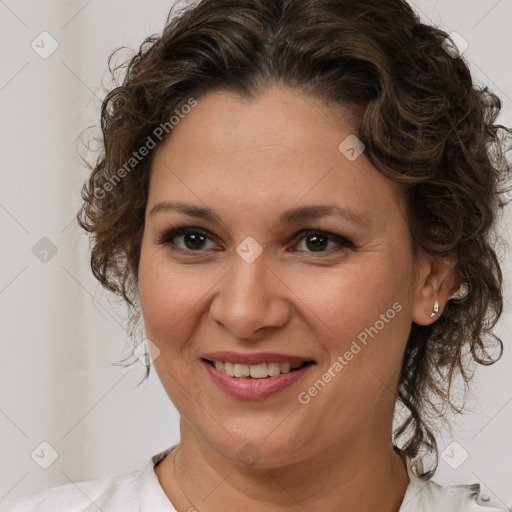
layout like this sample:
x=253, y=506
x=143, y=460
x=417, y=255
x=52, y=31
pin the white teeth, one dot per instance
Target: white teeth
x=256, y=371
x=285, y=367
x=242, y=370
x=229, y=369
x=274, y=369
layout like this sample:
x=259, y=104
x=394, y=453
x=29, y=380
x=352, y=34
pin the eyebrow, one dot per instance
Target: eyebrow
x=293, y=215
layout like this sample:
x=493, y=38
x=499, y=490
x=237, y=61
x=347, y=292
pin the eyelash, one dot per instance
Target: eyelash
x=167, y=239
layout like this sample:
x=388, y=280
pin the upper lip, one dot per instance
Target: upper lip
x=254, y=358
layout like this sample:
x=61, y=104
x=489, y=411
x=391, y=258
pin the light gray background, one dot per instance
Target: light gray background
x=60, y=332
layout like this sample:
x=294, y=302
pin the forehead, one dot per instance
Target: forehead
x=280, y=147
x=275, y=116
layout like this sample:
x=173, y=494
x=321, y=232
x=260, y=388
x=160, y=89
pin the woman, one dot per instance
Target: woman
x=299, y=195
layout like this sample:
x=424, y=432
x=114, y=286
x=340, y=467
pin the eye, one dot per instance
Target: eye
x=193, y=239
x=318, y=241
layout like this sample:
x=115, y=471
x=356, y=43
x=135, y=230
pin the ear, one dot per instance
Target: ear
x=437, y=279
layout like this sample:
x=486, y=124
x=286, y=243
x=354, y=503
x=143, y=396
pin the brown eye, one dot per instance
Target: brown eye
x=193, y=239
x=318, y=241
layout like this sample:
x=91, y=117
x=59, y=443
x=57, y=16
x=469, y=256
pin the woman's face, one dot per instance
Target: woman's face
x=249, y=280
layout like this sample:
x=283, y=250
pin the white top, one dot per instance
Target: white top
x=140, y=491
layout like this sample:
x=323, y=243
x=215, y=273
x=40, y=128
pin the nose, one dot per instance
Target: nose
x=251, y=299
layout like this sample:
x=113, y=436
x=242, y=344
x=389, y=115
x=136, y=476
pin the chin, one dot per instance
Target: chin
x=258, y=452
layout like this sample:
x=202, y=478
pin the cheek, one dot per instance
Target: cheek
x=352, y=297
x=360, y=315
x=169, y=299
x=159, y=282
x=363, y=329
x=175, y=297
x=164, y=296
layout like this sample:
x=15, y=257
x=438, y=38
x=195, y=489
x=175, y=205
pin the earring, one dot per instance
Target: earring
x=436, y=309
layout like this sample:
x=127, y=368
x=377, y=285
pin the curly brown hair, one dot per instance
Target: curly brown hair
x=424, y=123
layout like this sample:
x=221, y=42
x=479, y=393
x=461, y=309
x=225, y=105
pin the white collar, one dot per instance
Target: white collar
x=151, y=496
x=415, y=486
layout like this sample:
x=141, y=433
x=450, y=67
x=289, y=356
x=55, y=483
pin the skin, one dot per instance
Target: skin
x=249, y=160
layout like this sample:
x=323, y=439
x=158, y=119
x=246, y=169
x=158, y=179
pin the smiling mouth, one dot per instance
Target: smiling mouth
x=256, y=371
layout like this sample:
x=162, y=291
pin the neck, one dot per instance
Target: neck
x=196, y=477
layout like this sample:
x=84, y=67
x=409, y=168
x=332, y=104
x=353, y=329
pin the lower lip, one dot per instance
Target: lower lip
x=251, y=389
